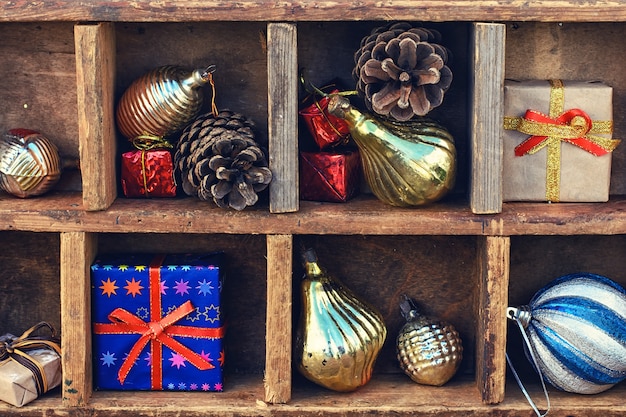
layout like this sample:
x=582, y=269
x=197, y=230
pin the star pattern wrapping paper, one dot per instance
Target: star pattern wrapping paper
x=145, y=306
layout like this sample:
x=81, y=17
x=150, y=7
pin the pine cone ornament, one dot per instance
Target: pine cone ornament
x=401, y=71
x=218, y=159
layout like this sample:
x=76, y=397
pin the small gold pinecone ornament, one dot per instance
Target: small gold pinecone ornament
x=218, y=159
x=401, y=71
x=429, y=351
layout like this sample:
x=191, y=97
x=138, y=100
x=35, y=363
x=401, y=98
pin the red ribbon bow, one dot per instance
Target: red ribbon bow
x=571, y=126
x=160, y=332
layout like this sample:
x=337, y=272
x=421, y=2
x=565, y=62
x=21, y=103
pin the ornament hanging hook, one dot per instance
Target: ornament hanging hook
x=515, y=315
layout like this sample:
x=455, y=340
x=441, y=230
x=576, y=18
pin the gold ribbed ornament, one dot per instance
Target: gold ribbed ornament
x=339, y=336
x=405, y=164
x=29, y=163
x=429, y=351
x=161, y=102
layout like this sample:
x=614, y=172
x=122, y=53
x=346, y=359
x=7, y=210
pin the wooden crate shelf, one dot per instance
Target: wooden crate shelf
x=467, y=258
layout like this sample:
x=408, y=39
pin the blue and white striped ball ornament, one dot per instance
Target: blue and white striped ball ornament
x=576, y=328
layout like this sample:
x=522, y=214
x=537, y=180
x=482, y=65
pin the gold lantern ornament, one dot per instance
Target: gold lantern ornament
x=30, y=164
x=162, y=102
x=339, y=336
x=429, y=351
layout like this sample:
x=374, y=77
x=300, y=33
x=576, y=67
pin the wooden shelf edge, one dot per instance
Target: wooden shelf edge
x=428, y=10
x=362, y=216
x=389, y=395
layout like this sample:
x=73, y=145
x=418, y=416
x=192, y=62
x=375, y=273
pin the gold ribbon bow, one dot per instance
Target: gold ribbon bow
x=17, y=350
x=573, y=126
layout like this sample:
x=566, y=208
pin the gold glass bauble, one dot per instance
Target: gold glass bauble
x=405, y=164
x=29, y=163
x=161, y=102
x=339, y=336
x=429, y=351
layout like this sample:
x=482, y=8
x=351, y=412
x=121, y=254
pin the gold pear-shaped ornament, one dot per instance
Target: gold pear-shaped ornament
x=405, y=163
x=339, y=336
x=429, y=351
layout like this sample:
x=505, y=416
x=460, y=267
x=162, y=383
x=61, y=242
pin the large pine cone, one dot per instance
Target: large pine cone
x=401, y=71
x=218, y=159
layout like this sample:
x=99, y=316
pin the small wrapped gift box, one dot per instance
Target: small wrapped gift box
x=557, y=141
x=329, y=176
x=327, y=130
x=157, y=322
x=148, y=173
x=30, y=365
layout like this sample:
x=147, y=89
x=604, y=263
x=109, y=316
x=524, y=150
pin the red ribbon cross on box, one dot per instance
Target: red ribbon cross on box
x=158, y=332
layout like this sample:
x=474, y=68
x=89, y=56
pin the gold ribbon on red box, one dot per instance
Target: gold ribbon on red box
x=158, y=331
x=548, y=131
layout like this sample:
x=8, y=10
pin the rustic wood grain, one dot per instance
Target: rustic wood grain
x=362, y=216
x=493, y=261
x=95, y=74
x=279, y=323
x=453, y=260
x=430, y=10
x=384, y=396
x=78, y=250
x=487, y=79
x=282, y=79
x=29, y=281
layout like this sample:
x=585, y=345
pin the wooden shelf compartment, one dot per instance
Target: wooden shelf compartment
x=546, y=50
x=243, y=298
x=456, y=279
x=39, y=86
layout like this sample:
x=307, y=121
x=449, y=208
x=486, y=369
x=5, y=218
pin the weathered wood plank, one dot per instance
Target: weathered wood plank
x=493, y=264
x=282, y=78
x=278, y=319
x=362, y=216
x=78, y=250
x=95, y=74
x=487, y=78
x=428, y=10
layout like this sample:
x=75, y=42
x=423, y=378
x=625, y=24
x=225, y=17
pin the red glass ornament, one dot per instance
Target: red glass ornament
x=326, y=129
x=329, y=176
x=148, y=173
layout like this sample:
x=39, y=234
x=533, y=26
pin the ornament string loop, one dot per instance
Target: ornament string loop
x=521, y=316
x=208, y=75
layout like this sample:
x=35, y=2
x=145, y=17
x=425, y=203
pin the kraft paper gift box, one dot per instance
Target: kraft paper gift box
x=157, y=322
x=29, y=365
x=557, y=141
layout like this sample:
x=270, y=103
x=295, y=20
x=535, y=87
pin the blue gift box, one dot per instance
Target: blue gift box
x=157, y=322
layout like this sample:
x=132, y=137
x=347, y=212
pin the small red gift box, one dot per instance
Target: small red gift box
x=148, y=173
x=329, y=176
x=326, y=129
